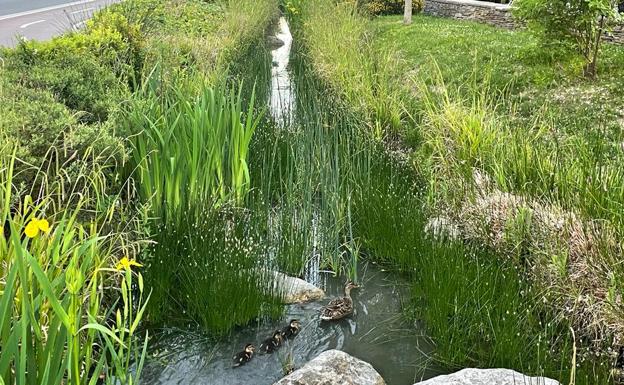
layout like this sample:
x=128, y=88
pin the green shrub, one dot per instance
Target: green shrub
x=387, y=7
x=579, y=23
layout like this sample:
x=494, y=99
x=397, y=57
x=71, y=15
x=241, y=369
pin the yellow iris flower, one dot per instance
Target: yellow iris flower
x=126, y=264
x=35, y=226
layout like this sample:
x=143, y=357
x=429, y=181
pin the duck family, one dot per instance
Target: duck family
x=336, y=309
x=269, y=345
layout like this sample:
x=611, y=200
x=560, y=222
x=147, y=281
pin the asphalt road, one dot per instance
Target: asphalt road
x=43, y=19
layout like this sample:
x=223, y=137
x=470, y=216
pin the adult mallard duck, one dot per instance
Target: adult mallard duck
x=293, y=328
x=245, y=356
x=340, y=307
x=272, y=343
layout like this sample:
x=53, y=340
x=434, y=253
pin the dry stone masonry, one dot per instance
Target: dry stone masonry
x=498, y=15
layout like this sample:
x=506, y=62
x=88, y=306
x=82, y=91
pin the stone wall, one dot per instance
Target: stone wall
x=616, y=36
x=498, y=15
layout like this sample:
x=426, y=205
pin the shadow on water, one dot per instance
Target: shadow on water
x=377, y=333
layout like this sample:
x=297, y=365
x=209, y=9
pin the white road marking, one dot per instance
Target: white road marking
x=31, y=23
x=81, y=11
x=32, y=12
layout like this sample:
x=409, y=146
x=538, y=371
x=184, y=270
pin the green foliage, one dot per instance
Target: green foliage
x=579, y=23
x=208, y=269
x=337, y=62
x=387, y=7
x=54, y=325
x=190, y=149
x=478, y=308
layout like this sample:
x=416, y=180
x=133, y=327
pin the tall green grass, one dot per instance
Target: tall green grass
x=190, y=156
x=56, y=323
x=190, y=147
x=482, y=310
x=307, y=170
x=340, y=51
x=479, y=309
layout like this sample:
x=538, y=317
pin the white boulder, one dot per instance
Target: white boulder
x=488, y=377
x=334, y=367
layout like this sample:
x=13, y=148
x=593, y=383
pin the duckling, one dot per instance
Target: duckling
x=340, y=307
x=245, y=356
x=273, y=343
x=293, y=328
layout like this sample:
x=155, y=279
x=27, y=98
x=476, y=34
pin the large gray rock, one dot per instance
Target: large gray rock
x=334, y=367
x=295, y=290
x=488, y=377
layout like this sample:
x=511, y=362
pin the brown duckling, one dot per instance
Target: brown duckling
x=340, y=307
x=245, y=356
x=272, y=343
x=293, y=328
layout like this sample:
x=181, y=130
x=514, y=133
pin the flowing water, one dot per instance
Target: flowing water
x=377, y=333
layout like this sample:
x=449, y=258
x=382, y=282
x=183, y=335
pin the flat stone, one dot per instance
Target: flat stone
x=334, y=367
x=488, y=377
x=296, y=290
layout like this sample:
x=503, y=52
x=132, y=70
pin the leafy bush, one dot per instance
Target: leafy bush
x=580, y=24
x=36, y=125
x=387, y=7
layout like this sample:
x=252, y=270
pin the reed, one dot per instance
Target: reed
x=190, y=146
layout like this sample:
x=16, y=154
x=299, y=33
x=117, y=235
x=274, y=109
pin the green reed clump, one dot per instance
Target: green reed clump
x=211, y=269
x=190, y=156
x=190, y=146
x=480, y=310
x=56, y=322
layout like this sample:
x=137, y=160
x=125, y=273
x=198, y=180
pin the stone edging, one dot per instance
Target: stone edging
x=498, y=15
x=495, y=14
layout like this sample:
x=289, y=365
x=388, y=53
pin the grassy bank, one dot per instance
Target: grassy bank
x=504, y=159
x=78, y=226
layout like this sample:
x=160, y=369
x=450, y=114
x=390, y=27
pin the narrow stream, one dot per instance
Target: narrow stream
x=377, y=333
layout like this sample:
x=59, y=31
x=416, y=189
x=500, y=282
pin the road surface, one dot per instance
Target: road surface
x=43, y=19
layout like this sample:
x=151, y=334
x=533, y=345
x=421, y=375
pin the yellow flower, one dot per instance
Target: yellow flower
x=32, y=230
x=44, y=225
x=35, y=225
x=126, y=264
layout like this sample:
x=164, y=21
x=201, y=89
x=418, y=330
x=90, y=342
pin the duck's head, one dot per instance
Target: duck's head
x=249, y=348
x=350, y=285
x=295, y=324
x=277, y=335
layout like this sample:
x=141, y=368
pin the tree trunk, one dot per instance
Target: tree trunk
x=407, y=14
